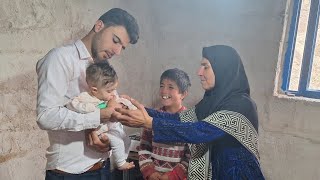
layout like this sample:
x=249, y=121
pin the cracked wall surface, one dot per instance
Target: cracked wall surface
x=172, y=35
x=28, y=30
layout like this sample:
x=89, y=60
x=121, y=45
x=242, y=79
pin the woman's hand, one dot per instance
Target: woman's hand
x=133, y=118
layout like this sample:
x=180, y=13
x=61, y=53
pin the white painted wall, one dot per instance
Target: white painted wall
x=172, y=35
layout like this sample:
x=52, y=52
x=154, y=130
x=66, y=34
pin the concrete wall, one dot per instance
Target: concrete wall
x=172, y=35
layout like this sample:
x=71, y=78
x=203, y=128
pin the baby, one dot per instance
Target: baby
x=102, y=81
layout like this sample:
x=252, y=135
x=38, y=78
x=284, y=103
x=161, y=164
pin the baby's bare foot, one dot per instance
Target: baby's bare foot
x=126, y=166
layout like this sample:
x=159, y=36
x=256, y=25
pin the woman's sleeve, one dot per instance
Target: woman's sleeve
x=164, y=115
x=167, y=130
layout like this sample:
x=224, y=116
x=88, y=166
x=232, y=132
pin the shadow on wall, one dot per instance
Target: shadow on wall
x=18, y=96
x=7, y=157
x=18, y=115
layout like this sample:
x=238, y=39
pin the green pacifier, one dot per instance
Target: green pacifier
x=102, y=105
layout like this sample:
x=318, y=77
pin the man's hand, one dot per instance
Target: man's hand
x=105, y=114
x=101, y=144
x=133, y=118
x=155, y=176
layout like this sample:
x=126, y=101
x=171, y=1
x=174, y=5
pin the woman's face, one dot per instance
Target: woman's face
x=206, y=75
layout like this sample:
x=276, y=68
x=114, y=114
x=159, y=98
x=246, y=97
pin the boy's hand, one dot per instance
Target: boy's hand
x=155, y=176
x=126, y=103
x=164, y=177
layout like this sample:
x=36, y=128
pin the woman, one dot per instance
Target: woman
x=221, y=128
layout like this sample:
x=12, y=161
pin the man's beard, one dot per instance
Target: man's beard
x=94, y=54
x=94, y=48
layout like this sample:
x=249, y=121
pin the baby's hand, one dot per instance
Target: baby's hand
x=127, y=103
x=101, y=129
x=124, y=106
x=119, y=105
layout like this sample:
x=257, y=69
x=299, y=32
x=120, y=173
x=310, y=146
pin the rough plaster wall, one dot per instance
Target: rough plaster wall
x=28, y=29
x=172, y=35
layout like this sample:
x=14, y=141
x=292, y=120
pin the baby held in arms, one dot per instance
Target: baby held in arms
x=102, y=81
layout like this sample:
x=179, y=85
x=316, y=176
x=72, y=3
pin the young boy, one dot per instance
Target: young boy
x=171, y=160
x=102, y=82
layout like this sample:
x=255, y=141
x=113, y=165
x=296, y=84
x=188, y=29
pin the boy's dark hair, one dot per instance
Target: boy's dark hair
x=120, y=17
x=180, y=77
x=100, y=74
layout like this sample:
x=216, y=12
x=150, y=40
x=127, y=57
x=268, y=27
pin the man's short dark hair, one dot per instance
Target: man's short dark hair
x=180, y=77
x=100, y=74
x=120, y=17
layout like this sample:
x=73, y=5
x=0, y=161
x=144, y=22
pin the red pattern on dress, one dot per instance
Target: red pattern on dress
x=159, y=157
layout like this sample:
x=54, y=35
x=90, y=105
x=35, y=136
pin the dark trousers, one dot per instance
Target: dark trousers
x=100, y=174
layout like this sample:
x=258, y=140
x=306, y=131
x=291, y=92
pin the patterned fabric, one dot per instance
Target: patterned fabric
x=170, y=158
x=232, y=123
x=237, y=126
x=199, y=165
x=229, y=158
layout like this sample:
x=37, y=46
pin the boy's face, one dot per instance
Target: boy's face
x=106, y=92
x=169, y=93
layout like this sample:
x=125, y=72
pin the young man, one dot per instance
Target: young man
x=61, y=76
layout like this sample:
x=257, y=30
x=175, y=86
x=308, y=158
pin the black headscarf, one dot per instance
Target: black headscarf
x=231, y=91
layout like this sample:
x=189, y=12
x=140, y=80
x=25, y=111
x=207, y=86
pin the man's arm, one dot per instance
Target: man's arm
x=54, y=74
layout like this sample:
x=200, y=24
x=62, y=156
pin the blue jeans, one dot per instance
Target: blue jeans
x=100, y=174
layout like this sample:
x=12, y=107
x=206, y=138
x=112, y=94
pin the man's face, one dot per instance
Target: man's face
x=108, y=42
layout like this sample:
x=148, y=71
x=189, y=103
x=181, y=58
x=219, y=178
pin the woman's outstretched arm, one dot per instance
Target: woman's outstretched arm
x=167, y=130
x=157, y=114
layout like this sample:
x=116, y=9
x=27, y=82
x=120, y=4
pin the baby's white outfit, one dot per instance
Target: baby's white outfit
x=119, y=141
